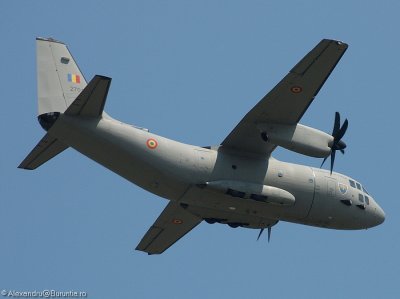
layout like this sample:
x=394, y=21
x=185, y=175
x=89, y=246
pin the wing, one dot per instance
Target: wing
x=173, y=223
x=288, y=101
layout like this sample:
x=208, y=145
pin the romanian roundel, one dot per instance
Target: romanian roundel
x=151, y=143
x=296, y=89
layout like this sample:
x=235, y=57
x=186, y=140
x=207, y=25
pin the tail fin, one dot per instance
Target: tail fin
x=59, y=79
x=62, y=89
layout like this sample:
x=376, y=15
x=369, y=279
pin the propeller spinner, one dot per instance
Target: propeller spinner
x=337, y=134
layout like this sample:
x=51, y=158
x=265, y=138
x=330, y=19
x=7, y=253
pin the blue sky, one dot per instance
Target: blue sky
x=190, y=70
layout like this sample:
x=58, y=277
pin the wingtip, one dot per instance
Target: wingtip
x=24, y=166
x=338, y=42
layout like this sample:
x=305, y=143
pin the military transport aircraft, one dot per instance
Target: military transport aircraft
x=236, y=183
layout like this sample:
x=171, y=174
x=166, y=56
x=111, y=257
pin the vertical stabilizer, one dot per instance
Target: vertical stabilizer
x=59, y=79
x=62, y=89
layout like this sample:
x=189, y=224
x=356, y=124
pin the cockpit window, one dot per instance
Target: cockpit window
x=366, y=199
x=365, y=190
x=352, y=183
x=358, y=186
x=360, y=197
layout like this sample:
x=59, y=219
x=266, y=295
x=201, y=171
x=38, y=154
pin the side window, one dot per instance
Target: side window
x=352, y=183
x=358, y=186
x=361, y=197
x=366, y=199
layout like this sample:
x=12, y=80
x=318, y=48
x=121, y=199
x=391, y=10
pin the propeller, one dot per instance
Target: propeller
x=269, y=233
x=337, y=134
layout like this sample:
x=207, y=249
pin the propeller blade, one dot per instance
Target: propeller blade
x=269, y=233
x=323, y=161
x=333, y=153
x=337, y=134
x=336, y=125
x=259, y=235
x=342, y=130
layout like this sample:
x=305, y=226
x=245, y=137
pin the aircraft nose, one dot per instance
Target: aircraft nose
x=380, y=214
x=377, y=215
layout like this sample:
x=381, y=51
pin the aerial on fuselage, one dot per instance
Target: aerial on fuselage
x=237, y=183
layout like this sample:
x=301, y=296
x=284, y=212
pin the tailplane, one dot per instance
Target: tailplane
x=47, y=148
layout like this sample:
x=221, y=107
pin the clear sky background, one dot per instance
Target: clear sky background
x=190, y=70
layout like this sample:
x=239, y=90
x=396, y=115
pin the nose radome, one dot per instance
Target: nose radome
x=377, y=215
x=380, y=214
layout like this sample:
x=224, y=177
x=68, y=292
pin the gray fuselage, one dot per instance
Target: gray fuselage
x=172, y=169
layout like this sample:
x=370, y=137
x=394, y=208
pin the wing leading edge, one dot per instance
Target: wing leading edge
x=288, y=100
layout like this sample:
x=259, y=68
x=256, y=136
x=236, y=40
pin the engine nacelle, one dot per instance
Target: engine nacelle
x=298, y=138
x=252, y=191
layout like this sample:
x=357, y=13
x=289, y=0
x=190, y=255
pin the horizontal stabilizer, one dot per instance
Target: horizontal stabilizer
x=91, y=101
x=173, y=223
x=46, y=149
